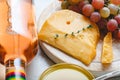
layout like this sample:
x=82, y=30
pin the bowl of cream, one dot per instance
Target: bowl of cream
x=66, y=71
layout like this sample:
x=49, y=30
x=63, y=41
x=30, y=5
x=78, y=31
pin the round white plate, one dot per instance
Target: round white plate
x=58, y=56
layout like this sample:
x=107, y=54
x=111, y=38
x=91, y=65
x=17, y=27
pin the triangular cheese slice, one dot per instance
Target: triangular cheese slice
x=107, y=51
x=72, y=33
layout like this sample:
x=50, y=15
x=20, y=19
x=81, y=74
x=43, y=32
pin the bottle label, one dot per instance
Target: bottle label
x=15, y=73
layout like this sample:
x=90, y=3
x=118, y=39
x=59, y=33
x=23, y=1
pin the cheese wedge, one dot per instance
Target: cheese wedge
x=107, y=51
x=72, y=33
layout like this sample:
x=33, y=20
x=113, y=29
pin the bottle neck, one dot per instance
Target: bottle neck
x=15, y=69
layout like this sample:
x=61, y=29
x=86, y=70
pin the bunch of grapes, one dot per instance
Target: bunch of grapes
x=105, y=13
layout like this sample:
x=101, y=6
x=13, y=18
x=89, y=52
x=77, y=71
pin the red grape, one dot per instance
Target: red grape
x=98, y=4
x=118, y=35
x=81, y=4
x=117, y=18
x=74, y=2
x=116, y=2
x=95, y=17
x=115, y=34
x=74, y=8
x=87, y=9
x=102, y=23
x=112, y=25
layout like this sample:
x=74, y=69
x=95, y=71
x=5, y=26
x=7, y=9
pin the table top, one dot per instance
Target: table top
x=41, y=62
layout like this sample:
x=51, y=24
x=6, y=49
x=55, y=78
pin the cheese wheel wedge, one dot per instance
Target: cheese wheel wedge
x=107, y=51
x=72, y=33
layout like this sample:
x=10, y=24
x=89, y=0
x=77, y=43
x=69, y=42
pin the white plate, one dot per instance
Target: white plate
x=58, y=56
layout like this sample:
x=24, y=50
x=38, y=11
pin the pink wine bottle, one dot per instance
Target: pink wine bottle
x=18, y=37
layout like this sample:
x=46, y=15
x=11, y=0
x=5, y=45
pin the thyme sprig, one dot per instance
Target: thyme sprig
x=90, y=26
x=56, y=36
x=78, y=31
x=73, y=33
x=66, y=35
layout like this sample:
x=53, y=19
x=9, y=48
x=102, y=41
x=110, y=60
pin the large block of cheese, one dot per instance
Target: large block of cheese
x=72, y=33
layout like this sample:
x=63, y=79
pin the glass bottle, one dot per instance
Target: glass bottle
x=18, y=37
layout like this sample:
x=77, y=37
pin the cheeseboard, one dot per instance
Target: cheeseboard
x=58, y=56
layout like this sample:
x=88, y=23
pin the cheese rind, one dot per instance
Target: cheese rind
x=66, y=24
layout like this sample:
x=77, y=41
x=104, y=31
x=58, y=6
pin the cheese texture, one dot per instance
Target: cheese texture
x=107, y=51
x=71, y=33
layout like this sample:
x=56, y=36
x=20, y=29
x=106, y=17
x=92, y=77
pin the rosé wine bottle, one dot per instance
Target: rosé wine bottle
x=18, y=37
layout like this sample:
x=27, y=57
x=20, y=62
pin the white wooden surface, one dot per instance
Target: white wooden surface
x=41, y=61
